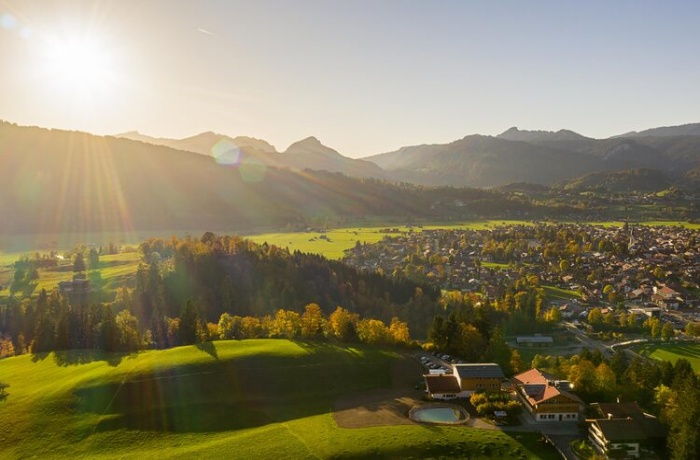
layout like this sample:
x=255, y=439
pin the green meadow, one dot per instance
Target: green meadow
x=227, y=399
x=116, y=270
x=333, y=242
x=672, y=352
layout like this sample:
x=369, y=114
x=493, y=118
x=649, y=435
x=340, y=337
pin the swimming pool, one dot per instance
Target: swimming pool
x=442, y=414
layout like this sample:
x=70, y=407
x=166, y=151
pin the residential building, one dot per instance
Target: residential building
x=620, y=430
x=547, y=398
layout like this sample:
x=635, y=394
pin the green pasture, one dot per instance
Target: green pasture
x=245, y=399
x=672, y=352
x=557, y=293
x=115, y=271
x=333, y=242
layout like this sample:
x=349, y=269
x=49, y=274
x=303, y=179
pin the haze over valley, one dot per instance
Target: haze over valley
x=349, y=229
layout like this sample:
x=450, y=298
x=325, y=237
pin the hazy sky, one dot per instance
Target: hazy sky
x=364, y=77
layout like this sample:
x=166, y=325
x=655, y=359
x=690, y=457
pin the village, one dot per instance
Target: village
x=641, y=271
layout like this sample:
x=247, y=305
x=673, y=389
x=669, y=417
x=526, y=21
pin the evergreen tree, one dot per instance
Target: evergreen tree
x=188, y=324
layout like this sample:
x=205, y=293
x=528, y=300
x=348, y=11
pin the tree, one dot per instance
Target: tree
x=341, y=325
x=619, y=364
x=287, y=324
x=595, y=317
x=127, y=330
x=682, y=413
x=399, y=331
x=583, y=376
x=188, y=324
x=93, y=259
x=471, y=344
x=499, y=352
x=78, y=263
x=516, y=364
x=606, y=380
x=667, y=332
x=373, y=331
x=312, y=322
x=554, y=315
x=230, y=327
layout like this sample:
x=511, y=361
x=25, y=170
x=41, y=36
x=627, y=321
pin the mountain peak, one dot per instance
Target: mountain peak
x=310, y=144
x=515, y=134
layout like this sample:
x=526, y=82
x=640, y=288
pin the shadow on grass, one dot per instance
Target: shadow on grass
x=224, y=395
x=208, y=348
x=535, y=443
x=65, y=358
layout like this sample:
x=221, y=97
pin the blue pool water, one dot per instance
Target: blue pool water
x=439, y=415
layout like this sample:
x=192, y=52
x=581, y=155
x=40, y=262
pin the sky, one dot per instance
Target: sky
x=363, y=76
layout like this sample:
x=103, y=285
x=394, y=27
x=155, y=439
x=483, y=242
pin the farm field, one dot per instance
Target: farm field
x=249, y=399
x=334, y=242
x=116, y=270
x=672, y=352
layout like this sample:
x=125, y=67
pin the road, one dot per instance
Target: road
x=588, y=342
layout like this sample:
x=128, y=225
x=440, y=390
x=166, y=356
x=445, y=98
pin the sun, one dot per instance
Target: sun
x=79, y=67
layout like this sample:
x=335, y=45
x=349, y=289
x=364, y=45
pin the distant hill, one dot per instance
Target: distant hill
x=514, y=134
x=690, y=129
x=305, y=154
x=483, y=161
x=62, y=181
x=641, y=180
x=309, y=153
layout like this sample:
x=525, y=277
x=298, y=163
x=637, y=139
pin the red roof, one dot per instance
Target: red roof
x=540, y=386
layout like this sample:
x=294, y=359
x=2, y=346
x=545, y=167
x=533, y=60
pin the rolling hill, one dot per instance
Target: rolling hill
x=639, y=180
x=263, y=398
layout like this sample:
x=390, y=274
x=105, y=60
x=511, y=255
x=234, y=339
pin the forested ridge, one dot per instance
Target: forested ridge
x=192, y=283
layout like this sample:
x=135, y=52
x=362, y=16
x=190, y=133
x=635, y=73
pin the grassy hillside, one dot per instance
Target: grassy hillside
x=672, y=352
x=248, y=399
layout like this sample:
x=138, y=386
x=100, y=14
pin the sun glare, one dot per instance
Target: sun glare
x=79, y=68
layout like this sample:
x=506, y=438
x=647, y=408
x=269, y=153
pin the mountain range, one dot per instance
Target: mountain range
x=538, y=157
x=308, y=153
x=56, y=181
x=66, y=181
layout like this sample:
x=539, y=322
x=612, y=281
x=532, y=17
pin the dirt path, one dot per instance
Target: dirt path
x=383, y=406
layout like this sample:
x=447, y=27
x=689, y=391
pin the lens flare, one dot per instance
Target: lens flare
x=226, y=153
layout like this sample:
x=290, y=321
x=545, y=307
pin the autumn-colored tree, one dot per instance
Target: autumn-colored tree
x=583, y=376
x=373, y=331
x=399, y=331
x=341, y=325
x=251, y=327
x=605, y=379
x=312, y=322
x=287, y=324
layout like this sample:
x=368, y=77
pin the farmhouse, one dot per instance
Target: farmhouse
x=547, y=398
x=464, y=380
x=620, y=429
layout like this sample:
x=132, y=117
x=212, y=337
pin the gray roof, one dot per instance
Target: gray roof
x=535, y=339
x=484, y=371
